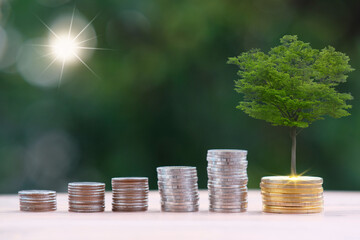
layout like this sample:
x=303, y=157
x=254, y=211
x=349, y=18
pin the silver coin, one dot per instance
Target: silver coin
x=173, y=184
x=129, y=197
x=129, y=209
x=191, y=209
x=177, y=181
x=86, y=210
x=177, y=187
x=126, y=179
x=130, y=184
x=226, y=158
x=180, y=195
x=130, y=189
x=175, y=169
x=228, y=207
x=177, y=176
x=178, y=191
x=228, y=180
x=86, y=192
x=226, y=185
x=86, y=184
x=130, y=193
x=220, y=202
x=120, y=196
x=37, y=192
x=227, y=170
x=37, y=199
x=219, y=182
x=227, y=151
x=226, y=192
x=180, y=207
x=219, y=210
x=227, y=162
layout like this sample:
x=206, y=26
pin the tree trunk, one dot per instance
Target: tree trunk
x=293, y=151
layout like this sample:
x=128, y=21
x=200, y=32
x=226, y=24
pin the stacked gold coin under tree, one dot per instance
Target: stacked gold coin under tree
x=178, y=189
x=284, y=194
x=37, y=200
x=130, y=194
x=86, y=197
x=227, y=180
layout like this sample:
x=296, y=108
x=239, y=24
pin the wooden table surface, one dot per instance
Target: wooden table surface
x=340, y=220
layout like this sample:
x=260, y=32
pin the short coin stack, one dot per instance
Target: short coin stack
x=37, y=200
x=130, y=194
x=284, y=194
x=86, y=197
x=227, y=180
x=178, y=189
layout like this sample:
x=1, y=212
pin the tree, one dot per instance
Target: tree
x=292, y=85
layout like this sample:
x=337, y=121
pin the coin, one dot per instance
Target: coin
x=227, y=180
x=292, y=180
x=224, y=210
x=289, y=190
x=281, y=194
x=86, y=196
x=130, y=194
x=284, y=186
x=37, y=200
x=178, y=188
x=294, y=204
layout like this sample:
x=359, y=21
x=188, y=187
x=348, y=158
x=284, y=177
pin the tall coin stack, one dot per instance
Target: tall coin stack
x=283, y=194
x=227, y=180
x=130, y=194
x=37, y=200
x=178, y=189
x=86, y=197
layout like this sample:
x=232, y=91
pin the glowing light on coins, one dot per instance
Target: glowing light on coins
x=292, y=194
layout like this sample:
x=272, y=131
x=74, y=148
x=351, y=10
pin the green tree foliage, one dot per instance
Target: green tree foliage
x=292, y=85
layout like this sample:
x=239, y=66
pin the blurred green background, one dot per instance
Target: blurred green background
x=165, y=93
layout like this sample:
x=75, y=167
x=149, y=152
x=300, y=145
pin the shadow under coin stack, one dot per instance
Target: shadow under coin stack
x=227, y=180
x=37, y=200
x=178, y=189
x=86, y=197
x=130, y=194
x=283, y=194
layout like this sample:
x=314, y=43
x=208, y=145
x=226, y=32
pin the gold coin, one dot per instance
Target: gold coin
x=292, y=180
x=292, y=195
x=290, y=199
x=287, y=190
x=290, y=207
x=272, y=185
x=291, y=211
x=293, y=204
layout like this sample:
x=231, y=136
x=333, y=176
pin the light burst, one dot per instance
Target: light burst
x=65, y=47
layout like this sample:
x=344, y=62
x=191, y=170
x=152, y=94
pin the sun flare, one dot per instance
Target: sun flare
x=66, y=47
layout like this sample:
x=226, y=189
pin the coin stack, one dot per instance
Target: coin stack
x=284, y=194
x=86, y=197
x=227, y=180
x=178, y=189
x=37, y=200
x=130, y=194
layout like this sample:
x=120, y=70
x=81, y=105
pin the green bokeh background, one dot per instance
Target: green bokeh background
x=166, y=95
